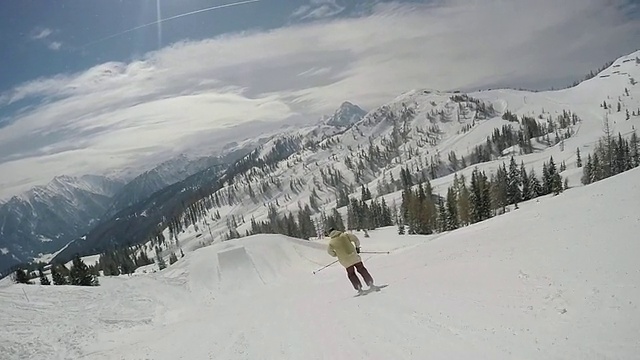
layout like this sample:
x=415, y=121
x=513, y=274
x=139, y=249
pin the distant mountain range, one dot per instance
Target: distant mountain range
x=139, y=222
x=80, y=214
x=45, y=218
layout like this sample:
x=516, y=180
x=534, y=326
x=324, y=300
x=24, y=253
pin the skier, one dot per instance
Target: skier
x=346, y=247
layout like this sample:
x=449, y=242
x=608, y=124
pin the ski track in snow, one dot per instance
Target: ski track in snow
x=556, y=279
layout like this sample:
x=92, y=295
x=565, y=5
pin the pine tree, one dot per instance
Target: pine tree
x=535, y=187
x=514, y=181
x=499, y=189
x=427, y=210
x=386, y=218
x=486, y=196
x=21, y=276
x=365, y=193
x=338, y=223
x=405, y=176
x=555, y=179
x=524, y=177
x=604, y=150
x=442, y=216
x=634, y=149
x=464, y=205
x=620, y=156
x=351, y=217
x=160, y=260
x=58, y=275
x=291, y=227
x=419, y=211
x=587, y=171
x=80, y=275
x=475, y=198
x=306, y=226
x=480, y=197
x=546, y=179
x=596, y=169
x=44, y=280
x=578, y=159
x=452, y=210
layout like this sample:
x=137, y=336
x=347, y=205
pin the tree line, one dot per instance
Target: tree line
x=78, y=274
x=423, y=212
x=612, y=156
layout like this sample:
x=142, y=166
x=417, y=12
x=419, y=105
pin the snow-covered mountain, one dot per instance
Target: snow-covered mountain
x=43, y=219
x=40, y=222
x=164, y=188
x=347, y=115
x=163, y=175
x=435, y=135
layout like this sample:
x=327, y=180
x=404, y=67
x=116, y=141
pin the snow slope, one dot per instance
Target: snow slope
x=556, y=279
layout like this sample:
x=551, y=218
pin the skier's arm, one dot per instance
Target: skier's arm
x=330, y=251
x=356, y=242
x=354, y=239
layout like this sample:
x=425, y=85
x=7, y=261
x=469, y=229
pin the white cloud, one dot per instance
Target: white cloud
x=318, y=9
x=187, y=94
x=44, y=35
x=55, y=45
x=41, y=33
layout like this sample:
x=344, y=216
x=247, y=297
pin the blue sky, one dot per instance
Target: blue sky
x=29, y=28
x=43, y=38
x=75, y=99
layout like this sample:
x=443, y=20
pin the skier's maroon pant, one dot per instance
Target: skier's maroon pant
x=351, y=273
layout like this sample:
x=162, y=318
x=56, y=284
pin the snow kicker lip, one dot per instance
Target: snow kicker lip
x=246, y=263
x=237, y=269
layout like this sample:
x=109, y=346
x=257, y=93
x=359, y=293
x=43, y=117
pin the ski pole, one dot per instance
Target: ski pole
x=326, y=266
x=374, y=252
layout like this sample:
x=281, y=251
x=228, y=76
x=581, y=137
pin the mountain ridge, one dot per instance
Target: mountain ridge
x=29, y=217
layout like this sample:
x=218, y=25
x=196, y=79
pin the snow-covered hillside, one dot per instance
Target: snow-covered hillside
x=556, y=279
x=436, y=136
x=161, y=176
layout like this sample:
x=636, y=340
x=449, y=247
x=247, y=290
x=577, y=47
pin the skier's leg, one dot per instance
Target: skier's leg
x=365, y=273
x=351, y=274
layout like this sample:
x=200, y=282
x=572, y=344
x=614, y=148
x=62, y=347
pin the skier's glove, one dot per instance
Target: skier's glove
x=358, y=250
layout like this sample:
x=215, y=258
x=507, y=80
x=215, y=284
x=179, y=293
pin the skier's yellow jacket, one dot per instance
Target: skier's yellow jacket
x=343, y=245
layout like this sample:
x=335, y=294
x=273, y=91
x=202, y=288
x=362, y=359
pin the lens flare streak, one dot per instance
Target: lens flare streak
x=160, y=21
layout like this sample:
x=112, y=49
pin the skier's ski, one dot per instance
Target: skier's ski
x=374, y=288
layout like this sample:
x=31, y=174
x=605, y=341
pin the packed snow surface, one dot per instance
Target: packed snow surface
x=556, y=279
